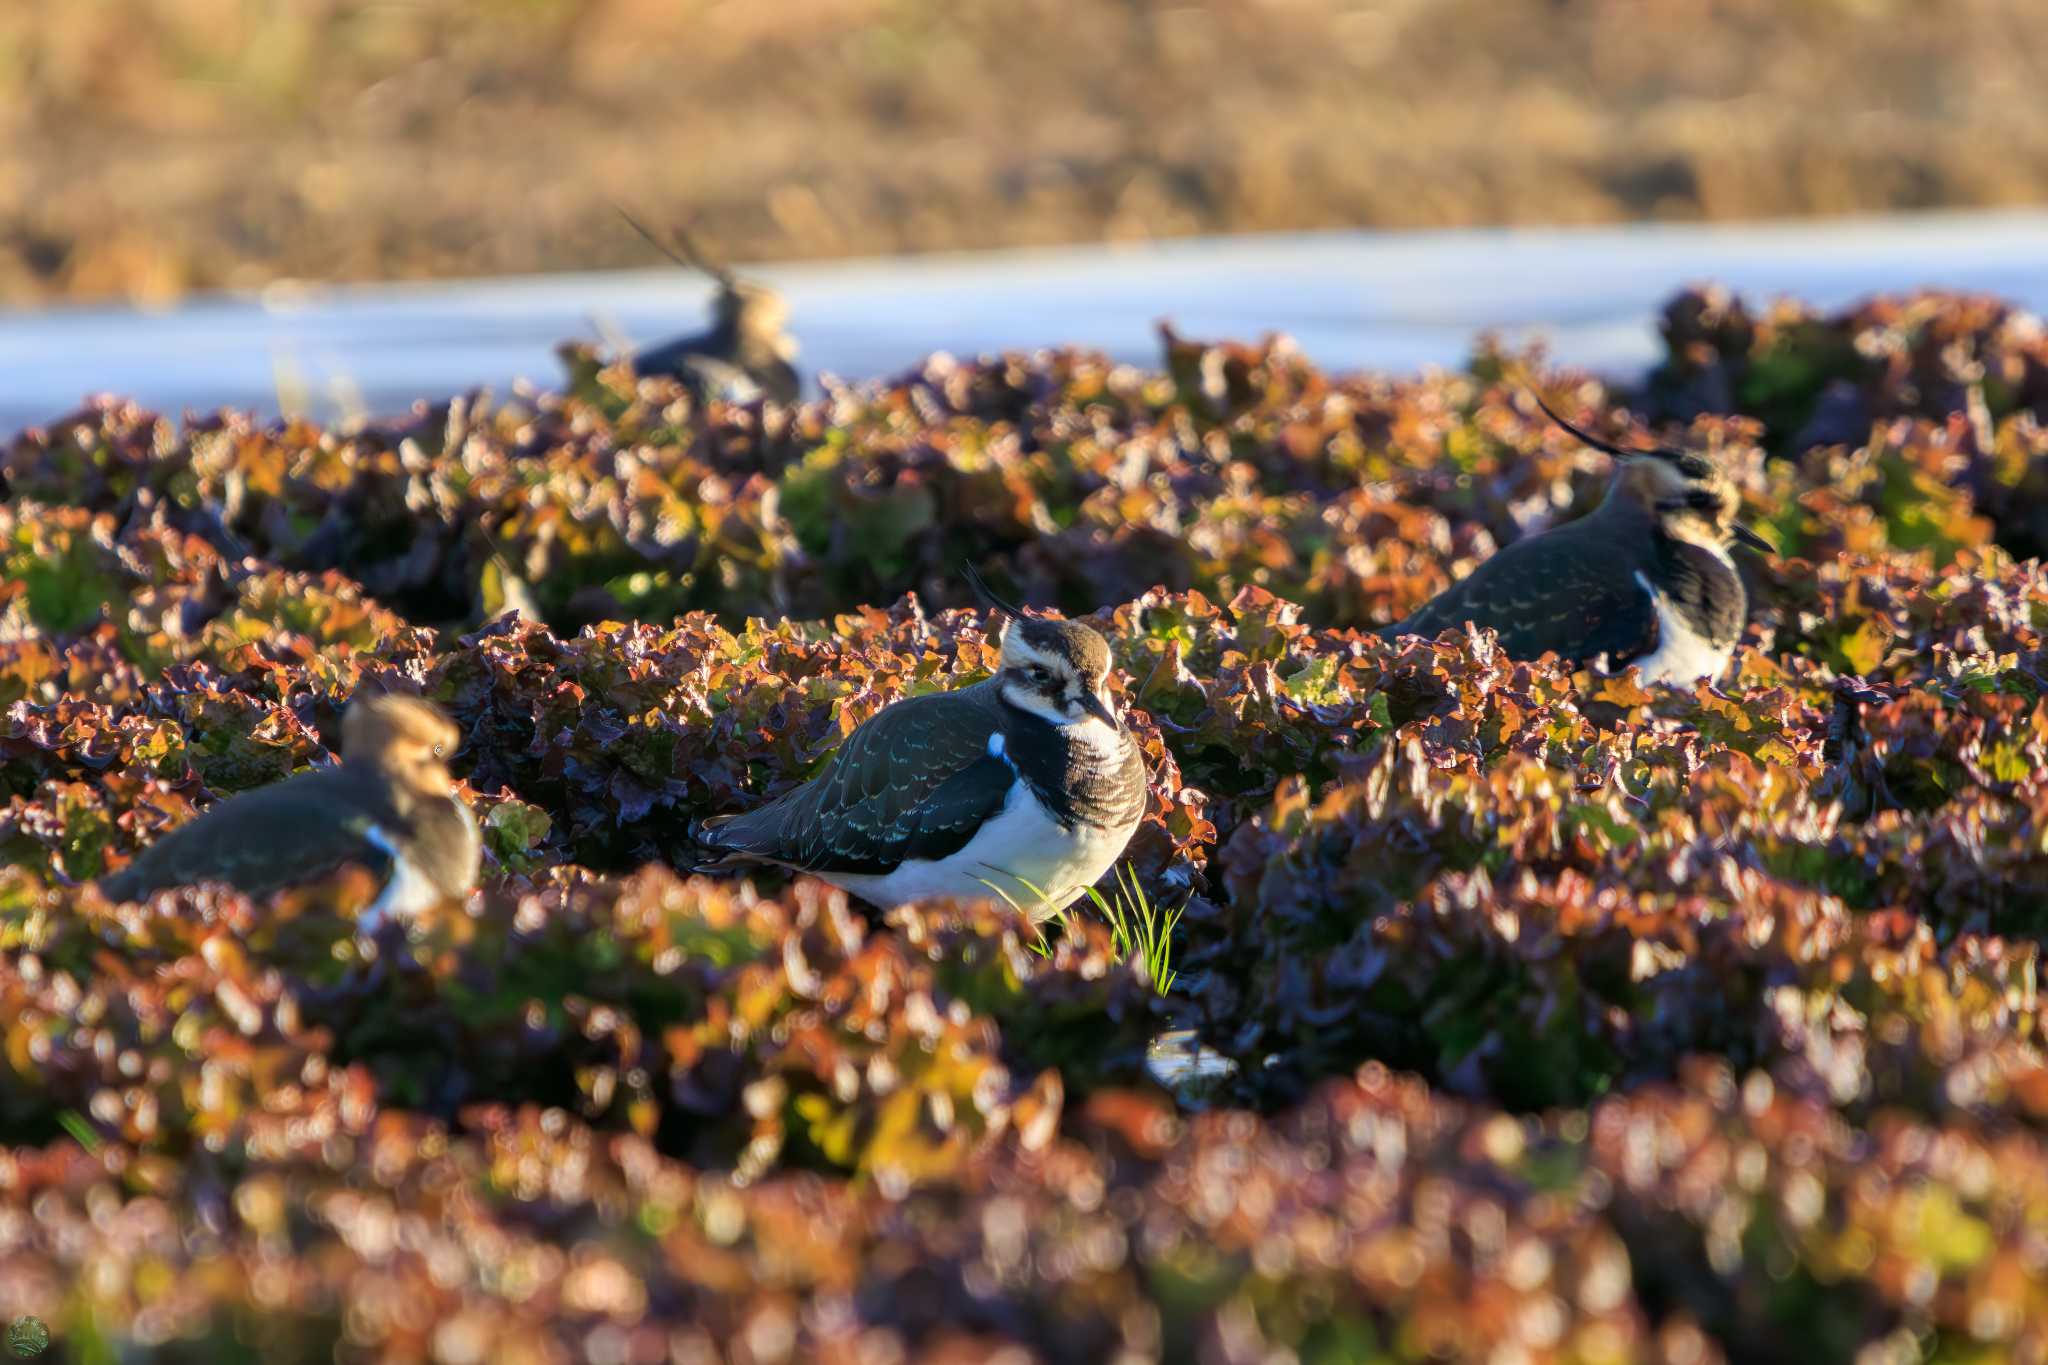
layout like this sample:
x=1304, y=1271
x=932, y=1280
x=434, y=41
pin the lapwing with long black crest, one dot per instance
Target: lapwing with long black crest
x=1644, y=579
x=1024, y=787
x=389, y=805
x=746, y=352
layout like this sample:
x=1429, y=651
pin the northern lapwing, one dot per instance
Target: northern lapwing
x=1645, y=579
x=744, y=354
x=389, y=805
x=1023, y=787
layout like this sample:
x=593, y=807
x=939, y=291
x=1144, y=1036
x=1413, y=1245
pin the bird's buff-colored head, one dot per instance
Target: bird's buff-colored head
x=1056, y=670
x=407, y=737
x=1689, y=496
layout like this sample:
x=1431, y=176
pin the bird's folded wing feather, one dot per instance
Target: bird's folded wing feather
x=707, y=353
x=916, y=781
x=258, y=842
x=1566, y=591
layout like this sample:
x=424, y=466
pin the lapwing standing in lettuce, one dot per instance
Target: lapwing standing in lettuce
x=1025, y=786
x=389, y=805
x=744, y=354
x=1645, y=579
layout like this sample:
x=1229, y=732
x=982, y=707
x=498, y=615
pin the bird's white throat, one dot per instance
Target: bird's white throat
x=407, y=892
x=1102, y=741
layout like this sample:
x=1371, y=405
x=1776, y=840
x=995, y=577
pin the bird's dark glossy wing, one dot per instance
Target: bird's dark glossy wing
x=674, y=357
x=916, y=781
x=1568, y=590
x=259, y=842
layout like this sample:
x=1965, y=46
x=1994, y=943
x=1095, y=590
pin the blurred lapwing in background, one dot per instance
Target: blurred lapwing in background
x=389, y=805
x=745, y=354
x=1645, y=579
x=1024, y=787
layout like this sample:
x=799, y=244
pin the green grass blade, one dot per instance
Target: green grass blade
x=82, y=1133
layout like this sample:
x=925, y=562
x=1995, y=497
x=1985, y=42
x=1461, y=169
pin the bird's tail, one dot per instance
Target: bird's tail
x=710, y=851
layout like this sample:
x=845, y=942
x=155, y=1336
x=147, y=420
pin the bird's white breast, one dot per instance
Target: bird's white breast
x=1022, y=848
x=1682, y=654
x=1023, y=853
x=408, y=892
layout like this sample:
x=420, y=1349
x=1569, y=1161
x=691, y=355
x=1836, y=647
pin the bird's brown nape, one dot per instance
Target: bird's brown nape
x=1650, y=483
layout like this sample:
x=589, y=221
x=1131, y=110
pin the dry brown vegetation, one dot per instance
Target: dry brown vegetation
x=152, y=146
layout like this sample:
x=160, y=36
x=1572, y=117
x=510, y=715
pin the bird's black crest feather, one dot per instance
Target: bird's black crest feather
x=1692, y=466
x=987, y=595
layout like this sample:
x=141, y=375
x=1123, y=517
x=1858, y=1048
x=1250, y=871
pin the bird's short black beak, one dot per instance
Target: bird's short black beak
x=1751, y=538
x=1099, y=709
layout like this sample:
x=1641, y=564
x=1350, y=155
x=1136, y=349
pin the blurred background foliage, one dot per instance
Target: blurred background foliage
x=149, y=147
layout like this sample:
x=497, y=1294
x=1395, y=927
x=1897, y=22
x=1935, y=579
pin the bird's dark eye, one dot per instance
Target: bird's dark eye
x=1040, y=674
x=1693, y=467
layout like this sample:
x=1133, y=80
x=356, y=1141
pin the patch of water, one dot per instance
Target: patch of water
x=1192, y=1070
x=1394, y=301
